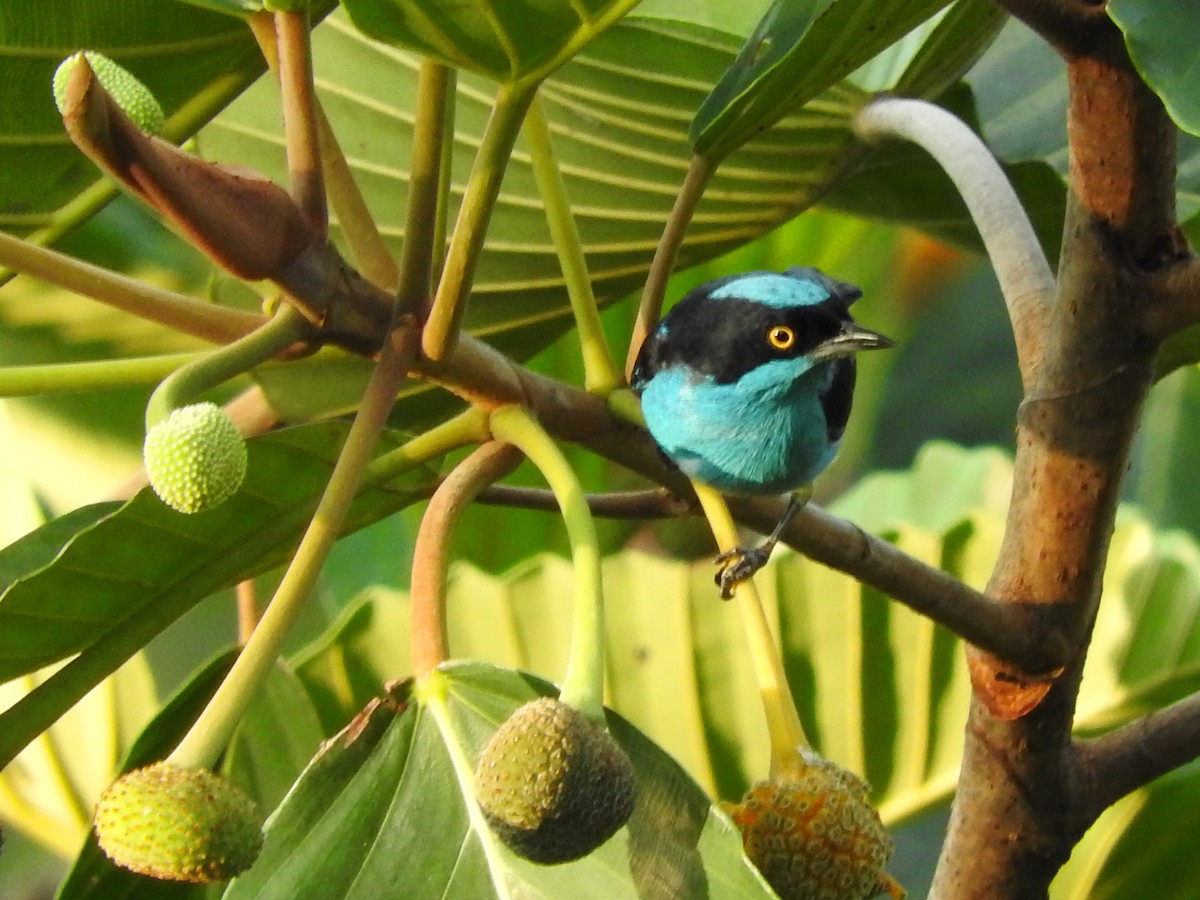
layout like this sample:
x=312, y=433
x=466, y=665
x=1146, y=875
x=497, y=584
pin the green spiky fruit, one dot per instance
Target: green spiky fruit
x=195, y=458
x=178, y=824
x=552, y=784
x=814, y=836
x=134, y=98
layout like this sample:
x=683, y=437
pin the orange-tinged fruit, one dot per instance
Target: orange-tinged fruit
x=178, y=824
x=552, y=784
x=814, y=836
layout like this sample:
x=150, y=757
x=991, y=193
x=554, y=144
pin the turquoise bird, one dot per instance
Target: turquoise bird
x=746, y=385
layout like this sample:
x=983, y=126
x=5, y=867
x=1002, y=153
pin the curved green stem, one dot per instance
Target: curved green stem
x=783, y=721
x=284, y=329
x=210, y=733
x=62, y=378
x=431, y=552
x=470, y=229
x=700, y=171
x=583, y=684
x=1012, y=246
x=600, y=372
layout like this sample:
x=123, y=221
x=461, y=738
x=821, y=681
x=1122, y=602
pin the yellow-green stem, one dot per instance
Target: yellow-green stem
x=285, y=328
x=624, y=404
x=203, y=320
x=211, y=732
x=600, y=372
x=434, y=89
x=583, y=684
x=441, y=224
x=63, y=378
x=470, y=229
x=663, y=265
x=783, y=722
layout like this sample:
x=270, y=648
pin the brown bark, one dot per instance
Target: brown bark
x=1022, y=800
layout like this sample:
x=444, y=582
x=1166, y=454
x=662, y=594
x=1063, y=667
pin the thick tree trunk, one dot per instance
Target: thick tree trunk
x=1020, y=806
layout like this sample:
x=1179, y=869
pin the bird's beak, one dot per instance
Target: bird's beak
x=848, y=341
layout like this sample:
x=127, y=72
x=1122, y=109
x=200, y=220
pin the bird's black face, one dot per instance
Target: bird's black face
x=727, y=337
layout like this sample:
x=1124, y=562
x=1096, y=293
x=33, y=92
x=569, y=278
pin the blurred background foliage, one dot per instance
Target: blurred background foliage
x=952, y=379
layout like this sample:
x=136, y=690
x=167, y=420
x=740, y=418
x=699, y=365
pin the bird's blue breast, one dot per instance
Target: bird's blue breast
x=763, y=433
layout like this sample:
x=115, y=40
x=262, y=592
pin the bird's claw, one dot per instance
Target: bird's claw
x=738, y=565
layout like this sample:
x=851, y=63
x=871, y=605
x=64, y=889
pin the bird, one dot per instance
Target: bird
x=746, y=385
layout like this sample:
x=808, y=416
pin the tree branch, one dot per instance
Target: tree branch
x=656, y=503
x=1066, y=25
x=1110, y=767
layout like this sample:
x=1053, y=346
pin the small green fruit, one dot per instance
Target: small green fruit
x=178, y=824
x=195, y=458
x=814, y=836
x=134, y=98
x=552, y=784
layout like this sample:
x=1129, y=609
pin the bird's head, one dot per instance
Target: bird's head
x=730, y=327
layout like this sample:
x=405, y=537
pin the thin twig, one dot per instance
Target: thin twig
x=656, y=503
x=700, y=171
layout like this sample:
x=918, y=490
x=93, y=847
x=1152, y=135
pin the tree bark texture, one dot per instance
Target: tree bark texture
x=1022, y=801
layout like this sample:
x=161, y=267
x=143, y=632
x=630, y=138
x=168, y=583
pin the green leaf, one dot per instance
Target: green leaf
x=360, y=819
x=507, y=42
x=798, y=51
x=98, y=591
x=1161, y=37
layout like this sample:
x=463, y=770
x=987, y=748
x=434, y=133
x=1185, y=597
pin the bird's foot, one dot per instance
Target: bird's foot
x=738, y=565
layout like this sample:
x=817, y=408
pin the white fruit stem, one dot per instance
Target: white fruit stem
x=1020, y=263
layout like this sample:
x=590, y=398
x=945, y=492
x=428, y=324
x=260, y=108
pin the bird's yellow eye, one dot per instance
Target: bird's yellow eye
x=781, y=337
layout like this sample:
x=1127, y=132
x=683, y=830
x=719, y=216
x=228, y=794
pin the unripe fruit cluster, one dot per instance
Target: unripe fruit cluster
x=552, y=784
x=195, y=458
x=178, y=824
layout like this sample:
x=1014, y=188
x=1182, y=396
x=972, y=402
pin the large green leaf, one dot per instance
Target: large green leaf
x=799, y=51
x=88, y=583
x=389, y=804
x=1161, y=37
x=505, y=41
